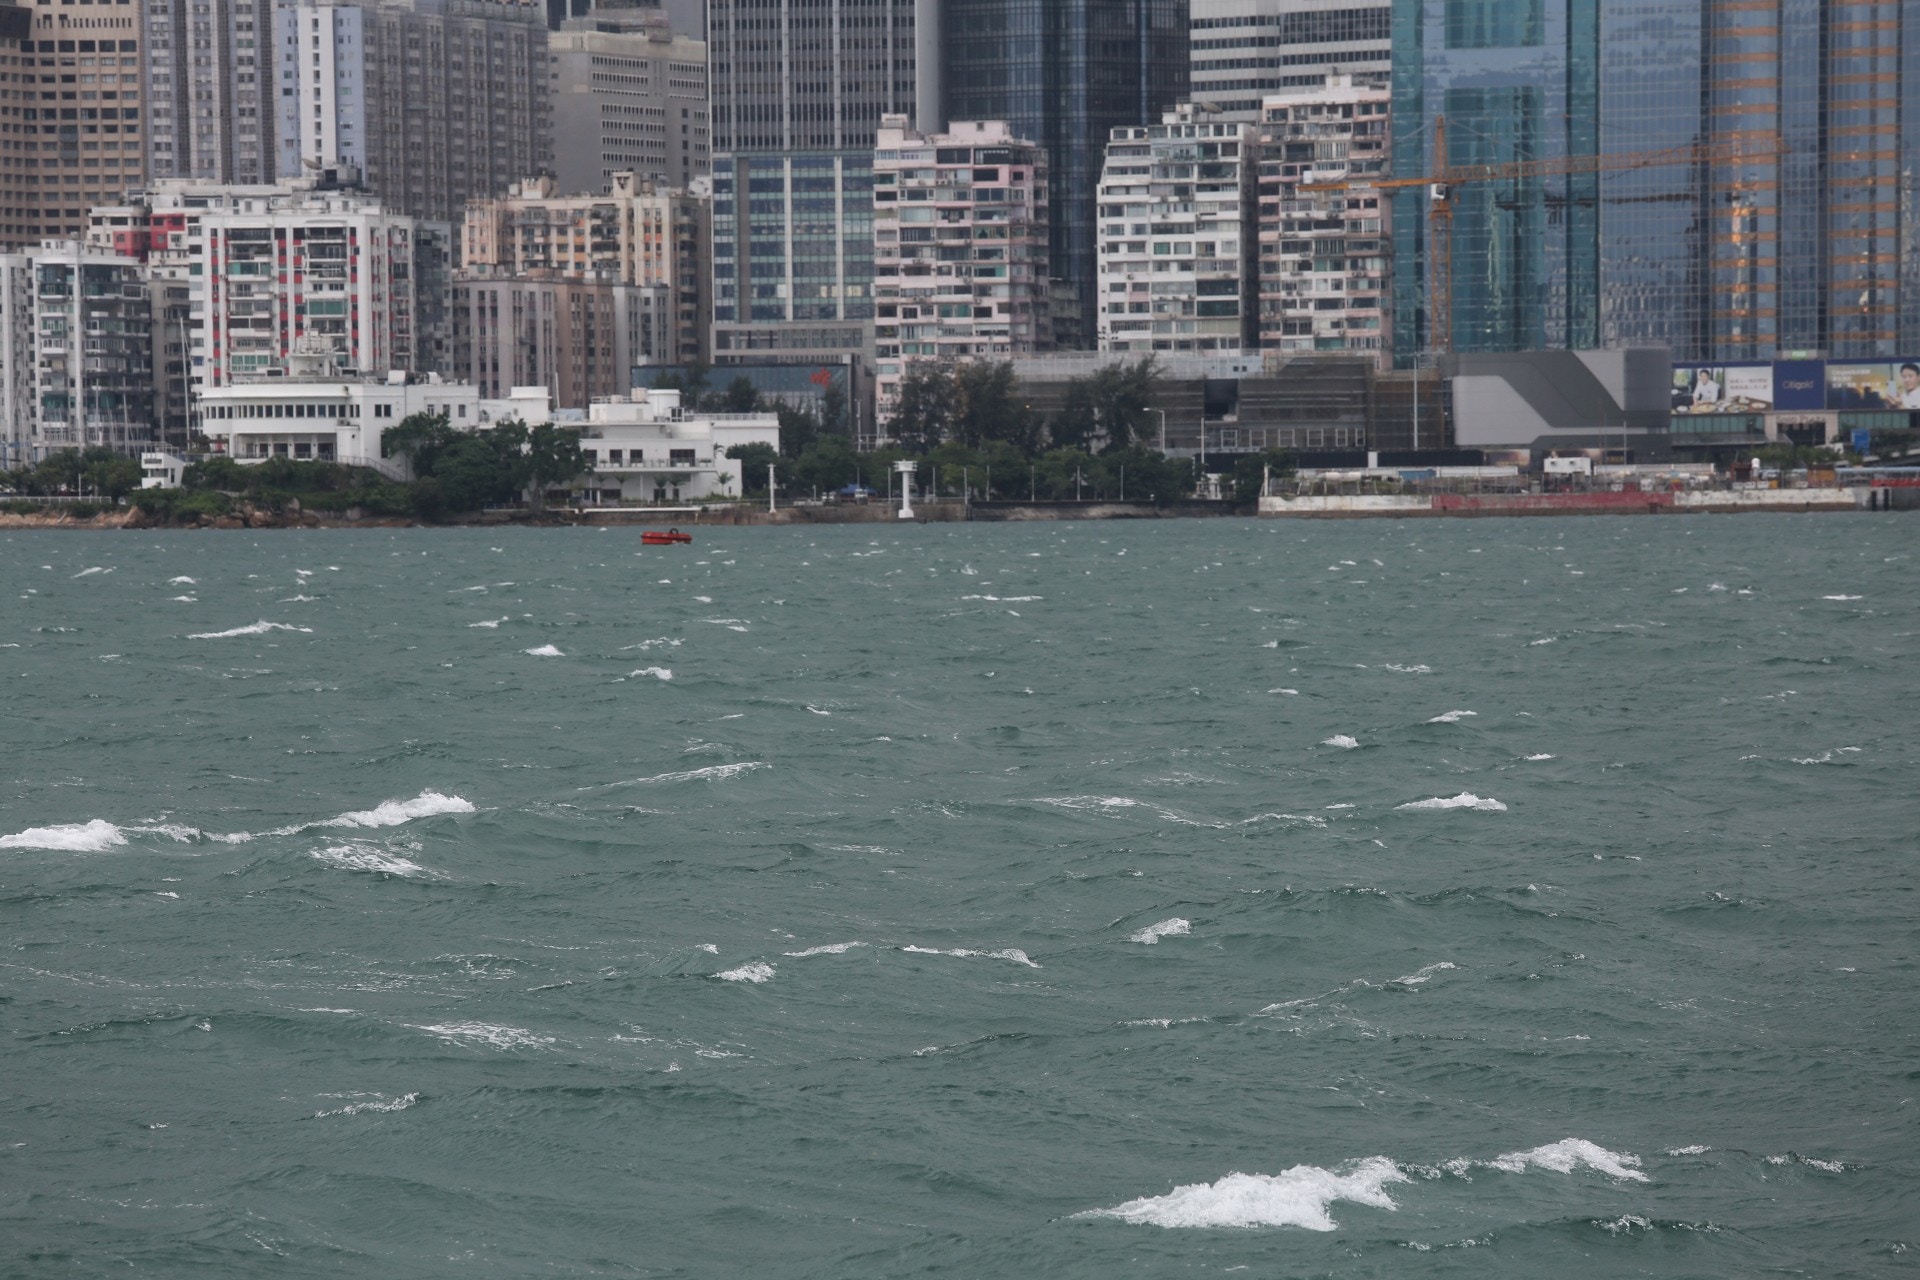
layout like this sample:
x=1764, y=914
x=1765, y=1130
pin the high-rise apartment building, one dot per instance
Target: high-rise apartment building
x=81, y=141
x=629, y=96
x=1804, y=241
x=309, y=266
x=798, y=92
x=209, y=84
x=1177, y=235
x=435, y=102
x=571, y=292
x=960, y=248
x=1244, y=50
x=1064, y=73
x=1325, y=256
x=19, y=90
x=84, y=374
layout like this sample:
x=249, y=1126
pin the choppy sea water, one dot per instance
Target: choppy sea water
x=1486, y=898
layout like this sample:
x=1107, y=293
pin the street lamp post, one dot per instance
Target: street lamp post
x=1163, y=427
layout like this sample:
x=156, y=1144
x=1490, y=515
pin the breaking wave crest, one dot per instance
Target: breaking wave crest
x=259, y=628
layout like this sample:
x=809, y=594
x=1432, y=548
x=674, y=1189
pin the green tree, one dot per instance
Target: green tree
x=799, y=428
x=741, y=396
x=754, y=460
x=987, y=406
x=923, y=410
x=553, y=456
x=1249, y=470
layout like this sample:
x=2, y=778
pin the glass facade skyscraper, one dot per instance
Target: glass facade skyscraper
x=1064, y=73
x=798, y=90
x=1811, y=246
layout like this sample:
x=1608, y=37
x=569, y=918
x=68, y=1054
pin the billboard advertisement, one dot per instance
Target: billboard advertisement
x=1799, y=385
x=1889, y=384
x=1722, y=388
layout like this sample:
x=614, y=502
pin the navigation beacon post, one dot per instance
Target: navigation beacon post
x=906, y=470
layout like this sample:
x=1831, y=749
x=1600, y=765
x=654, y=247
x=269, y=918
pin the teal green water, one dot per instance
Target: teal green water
x=1044, y=900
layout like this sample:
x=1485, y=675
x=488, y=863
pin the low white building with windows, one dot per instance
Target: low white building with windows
x=320, y=414
x=648, y=449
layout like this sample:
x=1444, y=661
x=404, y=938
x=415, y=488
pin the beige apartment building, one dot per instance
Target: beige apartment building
x=573, y=291
x=71, y=115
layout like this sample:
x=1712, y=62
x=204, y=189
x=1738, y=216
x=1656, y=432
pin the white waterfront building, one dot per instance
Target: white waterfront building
x=320, y=414
x=648, y=449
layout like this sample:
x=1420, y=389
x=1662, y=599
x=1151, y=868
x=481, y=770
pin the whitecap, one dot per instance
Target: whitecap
x=1842, y=597
x=755, y=972
x=394, y=812
x=1696, y=1150
x=709, y=948
x=486, y=1033
x=1300, y=1197
x=86, y=837
x=1569, y=1154
x=817, y=711
x=1548, y=640
x=96, y=569
x=830, y=949
x=1290, y=693
x=182, y=582
x=349, y=857
x=379, y=1102
x=1452, y=717
x=711, y=772
x=658, y=673
x=184, y=599
x=1538, y=755
x=544, y=651
x=259, y=628
x=1465, y=800
x=490, y=624
x=1008, y=953
x=1421, y=976
x=1420, y=669
x=1340, y=740
x=1827, y=757
x=1151, y=935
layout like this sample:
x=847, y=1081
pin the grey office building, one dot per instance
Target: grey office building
x=797, y=95
x=1245, y=49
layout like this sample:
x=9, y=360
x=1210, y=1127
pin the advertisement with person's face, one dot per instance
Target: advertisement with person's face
x=1715, y=388
x=1893, y=385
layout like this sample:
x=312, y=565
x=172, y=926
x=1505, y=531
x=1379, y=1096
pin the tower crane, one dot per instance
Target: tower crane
x=1445, y=176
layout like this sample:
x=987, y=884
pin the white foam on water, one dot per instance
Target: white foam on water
x=96, y=569
x=830, y=949
x=1420, y=669
x=182, y=582
x=490, y=624
x=1688, y=1151
x=298, y=600
x=394, y=812
x=173, y=830
x=259, y=628
x=349, y=857
x=1271, y=644
x=1538, y=755
x=1842, y=597
x=544, y=651
x=1569, y=1154
x=1425, y=974
x=496, y=1037
x=756, y=972
x=379, y=1102
x=1452, y=717
x=658, y=673
x=709, y=948
x=1300, y=1197
x=817, y=711
x=704, y=599
x=1008, y=953
x=1827, y=757
x=1465, y=800
x=184, y=599
x=1340, y=740
x=1151, y=935
x=1290, y=693
x=653, y=644
x=712, y=772
x=1548, y=640
x=84, y=837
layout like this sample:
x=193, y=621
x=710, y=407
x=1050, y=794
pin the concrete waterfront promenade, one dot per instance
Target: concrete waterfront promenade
x=1709, y=501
